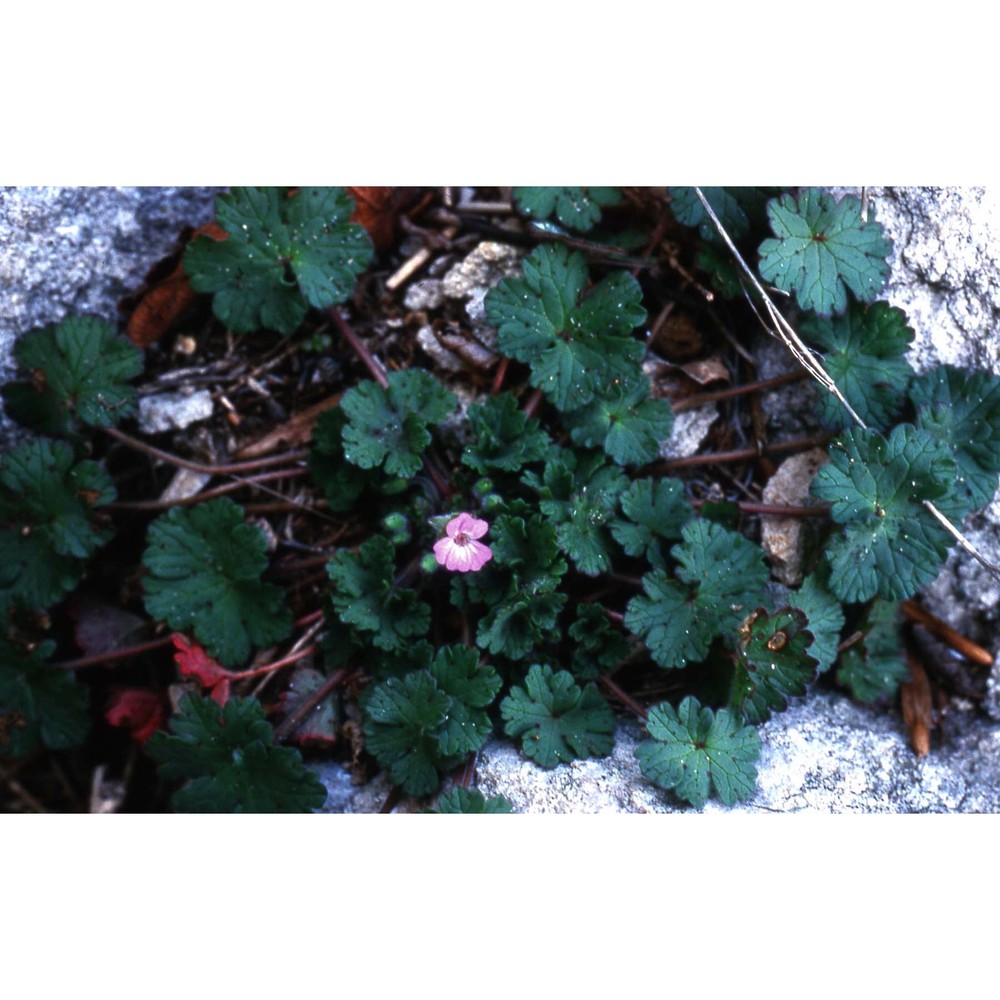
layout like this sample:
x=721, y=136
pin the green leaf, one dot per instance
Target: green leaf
x=515, y=626
x=230, y=760
x=38, y=703
x=864, y=355
x=873, y=668
x=365, y=595
x=471, y=687
x=402, y=721
x=48, y=509
x=721, y=575
x=575, y=347
x=557, y=721
x=738, y=208
x=576, y=207
x=772, y=664
x=962, y=410
x=695, y=752
x=597, y=645
x=471, y=800
x=526, y=549
x=505, y=438
x=578, y=494
x=284, y=253
x=891, y=545
x=78, y=371
x=825, y=616
x=623, y=421
x=823, y=250
x=388, y=427
x=341, y=482
x=655, y=508
x=517, y=585
x=204, y=576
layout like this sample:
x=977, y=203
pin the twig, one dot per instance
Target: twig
x=417, y=261
x=22, y=793
x=969, y=649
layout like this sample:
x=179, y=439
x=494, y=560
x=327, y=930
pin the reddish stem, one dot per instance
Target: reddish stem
x=115, y=654
x=692, y=402
x=533, y=403
x=359, y=347
x=741, y=454
x=230, y=469
x=239, y=484
x=277, y=664
x=627, y=700
x=773, y=509
x=498, y=378
x=294, y=720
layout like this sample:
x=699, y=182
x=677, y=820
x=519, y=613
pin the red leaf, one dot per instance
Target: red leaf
x=193, y=661
x=376, y=209
x=141, y=710
x=164, y=301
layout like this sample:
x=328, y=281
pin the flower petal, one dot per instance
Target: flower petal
x=442, y=549
x=481, y=555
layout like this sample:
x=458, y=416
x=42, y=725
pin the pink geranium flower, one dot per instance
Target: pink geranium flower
x=459, y=550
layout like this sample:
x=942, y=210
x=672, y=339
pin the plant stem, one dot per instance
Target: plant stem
x=692, y=402
x=773, y=509
x=224, y=469
x=294, y=720
x=627, y=700
x=533, y=402
x=359, y=347
x=115, y=654
x=741, y=454
x=270, y=668
x=498, y=378
x=218, y=491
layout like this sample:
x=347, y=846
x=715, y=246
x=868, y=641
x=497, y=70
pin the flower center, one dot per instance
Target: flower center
x=461, y=538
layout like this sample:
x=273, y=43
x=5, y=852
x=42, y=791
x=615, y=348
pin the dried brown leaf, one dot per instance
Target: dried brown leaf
x=918, y=708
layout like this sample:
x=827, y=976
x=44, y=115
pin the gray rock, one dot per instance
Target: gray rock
x=945, y=275
x=824, y=754
x=78, y=250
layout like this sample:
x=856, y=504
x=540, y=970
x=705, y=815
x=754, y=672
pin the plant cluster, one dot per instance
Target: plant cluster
x=518, y=565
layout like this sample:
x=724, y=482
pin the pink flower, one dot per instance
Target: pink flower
x=460, y=550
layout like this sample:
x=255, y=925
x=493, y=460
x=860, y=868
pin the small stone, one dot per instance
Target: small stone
x=173, y=411
x=488, y=264
x=426, y=294
x=781, y=537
